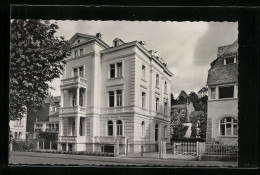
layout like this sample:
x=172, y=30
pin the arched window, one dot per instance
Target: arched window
x=110, y=128
x=165, y=131
x=119, y=128
x=156, y=131
x=228, y=126
x=143, y=128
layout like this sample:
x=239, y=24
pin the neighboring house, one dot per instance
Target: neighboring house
x=203, y=92
x=113, y=92
x=182, y=95
x=18, y=128
x=46, y=118
x=222, y=82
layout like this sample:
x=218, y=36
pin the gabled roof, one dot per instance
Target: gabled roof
x=88, y=37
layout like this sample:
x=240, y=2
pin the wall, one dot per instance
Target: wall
x=217, y=109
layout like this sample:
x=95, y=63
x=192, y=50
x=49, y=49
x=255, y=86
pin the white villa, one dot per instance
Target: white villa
x=107, y=93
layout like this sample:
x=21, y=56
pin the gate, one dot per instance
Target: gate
x=186, y=150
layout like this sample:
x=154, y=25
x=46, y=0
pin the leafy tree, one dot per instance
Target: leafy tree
x=48, y=135
x=173, y=101
x=36, y=58
x=202, y=120
x=179, y=131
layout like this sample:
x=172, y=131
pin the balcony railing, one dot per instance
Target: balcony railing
x=108, y=139
x=74, y=80
x=67, y=138
x=73, y=109
x=52, y=130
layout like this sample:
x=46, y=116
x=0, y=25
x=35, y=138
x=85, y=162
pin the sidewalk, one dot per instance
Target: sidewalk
x=66, y=159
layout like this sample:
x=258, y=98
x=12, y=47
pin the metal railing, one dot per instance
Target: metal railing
x=220, y=149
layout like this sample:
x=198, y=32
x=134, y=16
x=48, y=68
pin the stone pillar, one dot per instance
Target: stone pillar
x=38, y=145
x=10, y=146
x=116, y=147
x=43, y=145
x=67, y=146
x=209, y=130
x=235, y=91
x=217, y=92
x=77, y=99
x=77, y=121
x=163, y=149
x=60, y=126
x=61, y=98
x=126, y=147
x=50, y=145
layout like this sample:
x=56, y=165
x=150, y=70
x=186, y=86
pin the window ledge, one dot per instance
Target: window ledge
x=157, y=87
x=222, y=99
x=228, y=136
x=143, y=137
x=143, y=80
x=115, y=78
x=165, y=93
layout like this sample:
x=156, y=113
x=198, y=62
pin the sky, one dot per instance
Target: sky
x=187, y=47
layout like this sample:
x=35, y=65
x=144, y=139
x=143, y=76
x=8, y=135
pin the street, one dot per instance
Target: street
x=33, y=158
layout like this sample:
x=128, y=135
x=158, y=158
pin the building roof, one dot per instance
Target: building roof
x=220, y=73
x=204, y=89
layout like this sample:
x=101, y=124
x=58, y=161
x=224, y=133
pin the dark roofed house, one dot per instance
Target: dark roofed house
x=222, y=85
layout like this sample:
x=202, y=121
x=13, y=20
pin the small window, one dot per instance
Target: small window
x=112, y=71
x=81, y=73
x=78, y=41
x=81, y=52
x=213, y=93
x=119, y=97
x=110, y=128
x=157, y=80
x=119, y=126
x=111, y=98
x=157, y=105
x=75, y=53
x=143, y=72
x=119, y=69
x=143, y=99
x=165, y=86
x=143, y=128
x=75, y=70
x=226, y=92
x=165, y=107
x=228, y=126
x=230, y=60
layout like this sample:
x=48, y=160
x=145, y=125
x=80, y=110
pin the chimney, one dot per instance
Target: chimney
x=99, y=36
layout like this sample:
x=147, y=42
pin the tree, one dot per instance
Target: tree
x=36, y=58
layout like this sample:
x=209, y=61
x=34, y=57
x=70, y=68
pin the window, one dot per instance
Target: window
x=75, y=53
x=165, y=107
x=226, y=92
x=81, y=52
x=111, y=98
x=112, y=71
x=80, y=127
x=157, y=80
x=143, y=72
x=110, y=128
x=119, y=69
x=57, y=126
x=213, y=93
x=229, y=60
x=75, y=70
x=228, y=126
x=165, y=86
x=74, y=100
x=143, y=99
x=116, y=70
x=157, y=105
x=119, y=97
x=78, y=41
x=156, y=132
x=143, y=128
x=38, y=125
x=80, y=99
x=18, y=122
x=81, y=73
x=165, y=131
x=119, y=127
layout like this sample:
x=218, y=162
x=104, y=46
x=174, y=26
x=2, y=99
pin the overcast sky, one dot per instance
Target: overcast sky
x=187, y=47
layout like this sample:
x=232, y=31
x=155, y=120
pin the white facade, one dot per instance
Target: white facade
x=18, y=128
x=112, y=92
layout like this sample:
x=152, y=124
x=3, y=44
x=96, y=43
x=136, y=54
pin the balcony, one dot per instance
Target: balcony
x=73, y=82
x=52, y=129
x=73, y=109
x=67, y=138
x=108, y=139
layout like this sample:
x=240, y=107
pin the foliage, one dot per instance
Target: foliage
x=24, y=145
x=202, y=119
x=179, y=131
x=36, y=58
x=48, y=136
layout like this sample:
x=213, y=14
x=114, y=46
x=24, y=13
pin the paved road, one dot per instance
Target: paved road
x=65, y=159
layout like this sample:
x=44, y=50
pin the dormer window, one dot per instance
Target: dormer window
x=75, y=53
x=79, y=41
x=229, y=60
x=116, y=43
